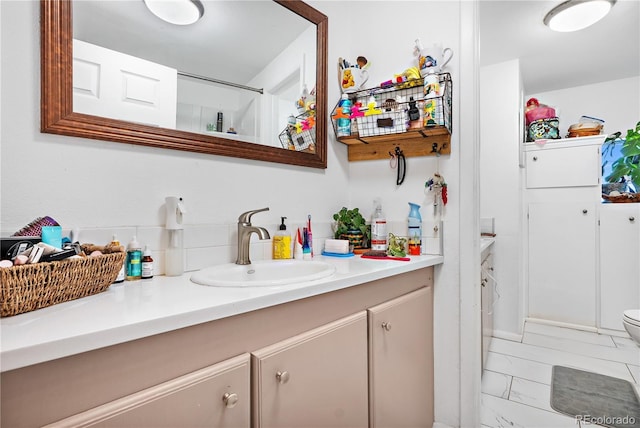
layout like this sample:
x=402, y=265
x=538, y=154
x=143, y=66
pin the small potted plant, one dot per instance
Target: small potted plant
x=625, y=169
x=350, y=225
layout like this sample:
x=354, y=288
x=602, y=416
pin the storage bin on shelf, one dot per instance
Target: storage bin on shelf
x=29, y=287
x=302, y=135
x=390, y=125
x=393, y=122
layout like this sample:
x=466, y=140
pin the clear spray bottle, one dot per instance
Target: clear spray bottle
x=378, y=228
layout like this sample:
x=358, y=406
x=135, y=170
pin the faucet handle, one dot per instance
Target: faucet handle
x=246, y=217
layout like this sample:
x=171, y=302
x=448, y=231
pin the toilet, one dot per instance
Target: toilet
x=631, y=321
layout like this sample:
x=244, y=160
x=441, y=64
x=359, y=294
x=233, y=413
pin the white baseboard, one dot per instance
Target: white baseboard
x=562, y=324
x=440, y=425
x=507, y=335
x=617, y=333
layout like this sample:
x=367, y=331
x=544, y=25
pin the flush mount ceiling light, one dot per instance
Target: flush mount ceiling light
x=574, y=15
x=178, y=12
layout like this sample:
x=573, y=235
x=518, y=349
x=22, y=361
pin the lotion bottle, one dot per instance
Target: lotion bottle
x=174, y=255
x=282, y=242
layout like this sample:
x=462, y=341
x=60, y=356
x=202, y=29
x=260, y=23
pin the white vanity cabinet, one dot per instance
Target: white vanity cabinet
x=317, y=378
x=309, y=367
x=562, y=195
x=216, y=396
x=619, y=262
x=401, y=361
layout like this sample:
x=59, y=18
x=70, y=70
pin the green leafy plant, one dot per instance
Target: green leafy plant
x=628, y=165
x=349, y=220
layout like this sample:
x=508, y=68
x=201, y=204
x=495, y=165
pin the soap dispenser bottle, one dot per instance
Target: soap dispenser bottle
x=174, y=255
x=415, y=229
x=282, y=242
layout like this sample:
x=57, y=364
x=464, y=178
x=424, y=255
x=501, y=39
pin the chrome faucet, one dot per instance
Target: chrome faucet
x=245, y=229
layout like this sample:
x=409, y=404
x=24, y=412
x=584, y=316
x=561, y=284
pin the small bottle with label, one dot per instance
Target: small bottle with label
x=120, y=277
x=134, y=260
x=147, y=263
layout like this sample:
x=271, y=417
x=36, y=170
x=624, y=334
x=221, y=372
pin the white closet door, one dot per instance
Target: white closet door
x=111, y=84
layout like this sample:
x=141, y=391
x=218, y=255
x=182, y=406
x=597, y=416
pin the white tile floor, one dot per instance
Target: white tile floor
x=517, y=378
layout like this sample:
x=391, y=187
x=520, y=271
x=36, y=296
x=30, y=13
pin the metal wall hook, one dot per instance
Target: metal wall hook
x=402, y=166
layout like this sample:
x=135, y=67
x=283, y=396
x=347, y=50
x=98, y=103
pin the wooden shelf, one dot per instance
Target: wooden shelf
x=415, y=142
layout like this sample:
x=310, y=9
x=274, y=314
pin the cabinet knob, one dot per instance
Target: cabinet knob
x=535, y=158
x=386, y=326
x=230, y=400
x=584, y=211
x=632, y=219
x=282, y=377
x=484, y=282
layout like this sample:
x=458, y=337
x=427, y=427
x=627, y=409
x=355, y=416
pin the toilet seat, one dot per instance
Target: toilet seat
x=632, y=316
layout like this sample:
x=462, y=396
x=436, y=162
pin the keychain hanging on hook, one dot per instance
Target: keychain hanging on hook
x=398, y=161
x=438, y=186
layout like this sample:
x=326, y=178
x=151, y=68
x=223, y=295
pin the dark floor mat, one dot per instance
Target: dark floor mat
x=595, y=398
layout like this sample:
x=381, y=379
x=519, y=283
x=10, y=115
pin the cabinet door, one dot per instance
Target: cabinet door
x=488, y=286
x=619, y=268
x=562, y=262
x=563, y=167
x=401, y=361
x=216, y=396
x=316, y=379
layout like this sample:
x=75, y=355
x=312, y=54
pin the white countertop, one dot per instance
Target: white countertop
x=486, y=242
x=137, y=309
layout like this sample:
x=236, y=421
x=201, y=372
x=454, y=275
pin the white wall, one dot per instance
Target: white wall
x=617, y=102
x=102, y=186
x=500, y=196
x=388, y=54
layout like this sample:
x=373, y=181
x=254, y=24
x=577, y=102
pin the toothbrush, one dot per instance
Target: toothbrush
x=309, y=234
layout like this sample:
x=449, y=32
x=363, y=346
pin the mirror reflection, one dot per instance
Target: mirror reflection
x=245, y=71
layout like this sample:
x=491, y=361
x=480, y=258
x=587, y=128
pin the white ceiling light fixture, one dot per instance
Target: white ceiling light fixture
x=178, y=12
x=574, y=15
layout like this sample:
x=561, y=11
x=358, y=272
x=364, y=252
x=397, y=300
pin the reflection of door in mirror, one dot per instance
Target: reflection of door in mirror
x=251, y=44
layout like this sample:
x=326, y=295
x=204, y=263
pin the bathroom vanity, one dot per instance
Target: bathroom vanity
x=168, y=352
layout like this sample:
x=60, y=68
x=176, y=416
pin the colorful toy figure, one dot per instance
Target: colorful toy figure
x=347, y=79
x=438, y=186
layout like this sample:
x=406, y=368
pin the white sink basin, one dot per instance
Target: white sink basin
x=263, y=273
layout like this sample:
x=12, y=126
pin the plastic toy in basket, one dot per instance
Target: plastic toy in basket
x=384, y=123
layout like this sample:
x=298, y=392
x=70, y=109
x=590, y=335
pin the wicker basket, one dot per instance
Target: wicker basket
x=29, y=287
x=623, y=198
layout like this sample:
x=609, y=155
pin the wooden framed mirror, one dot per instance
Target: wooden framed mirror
x=58, y=115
